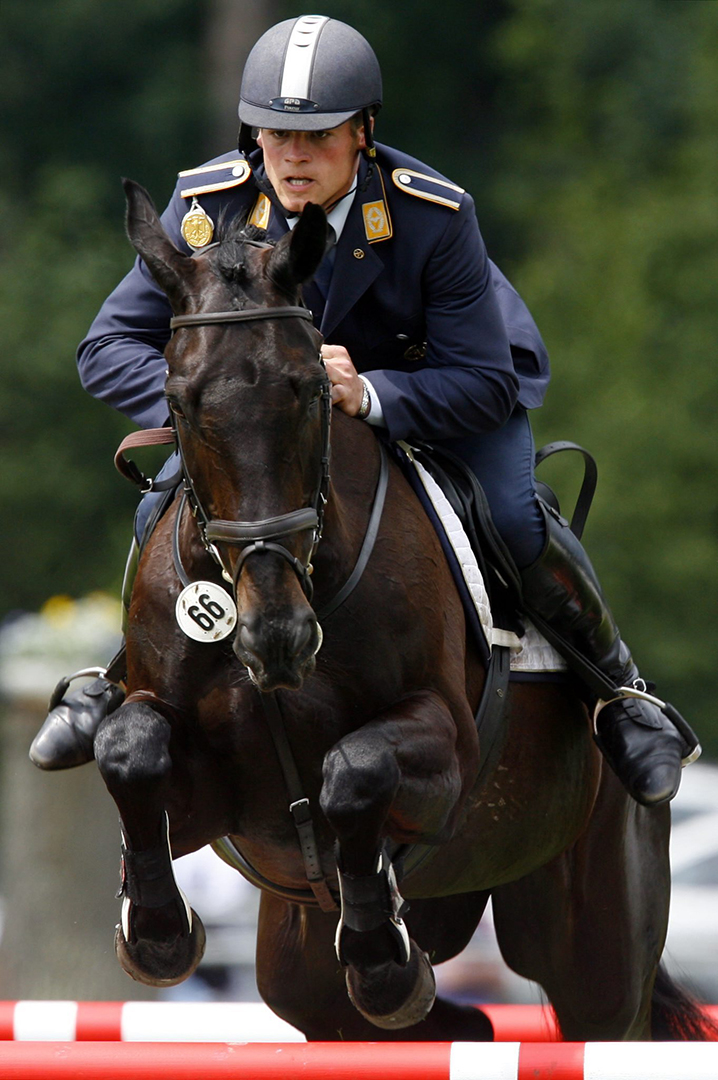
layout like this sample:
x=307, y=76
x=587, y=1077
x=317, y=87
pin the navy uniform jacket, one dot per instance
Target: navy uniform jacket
x=443, y=337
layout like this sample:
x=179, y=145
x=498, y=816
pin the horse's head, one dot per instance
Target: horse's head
x=250, y=403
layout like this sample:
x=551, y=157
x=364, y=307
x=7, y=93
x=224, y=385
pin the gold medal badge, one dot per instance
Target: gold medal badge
x=197, y=226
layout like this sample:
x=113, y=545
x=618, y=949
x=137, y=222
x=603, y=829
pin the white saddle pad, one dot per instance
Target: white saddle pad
x=530, y=653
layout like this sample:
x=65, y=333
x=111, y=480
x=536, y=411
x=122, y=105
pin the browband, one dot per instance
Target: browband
x=202, y=318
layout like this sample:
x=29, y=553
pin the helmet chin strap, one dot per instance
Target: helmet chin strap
x=246, y=142
x=369, y=149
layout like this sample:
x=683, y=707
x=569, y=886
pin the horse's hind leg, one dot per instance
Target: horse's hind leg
x=160, y=940
x=590, y=926
x=399, y=777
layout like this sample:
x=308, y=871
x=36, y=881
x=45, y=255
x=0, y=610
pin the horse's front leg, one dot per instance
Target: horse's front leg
x=398, y=778
x=160, y=940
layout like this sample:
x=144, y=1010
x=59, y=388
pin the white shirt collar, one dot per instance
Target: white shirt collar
x=337, y=217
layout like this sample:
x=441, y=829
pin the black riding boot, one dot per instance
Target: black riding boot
x=67, y=737
x=644, y=746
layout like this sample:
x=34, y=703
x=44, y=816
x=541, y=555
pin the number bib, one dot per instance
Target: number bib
x=205, y=611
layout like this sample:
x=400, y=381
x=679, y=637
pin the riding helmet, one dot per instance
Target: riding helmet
x=308, y=74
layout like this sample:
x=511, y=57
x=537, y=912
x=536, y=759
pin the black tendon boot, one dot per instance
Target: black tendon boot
x=67, y=737
x=645, y=741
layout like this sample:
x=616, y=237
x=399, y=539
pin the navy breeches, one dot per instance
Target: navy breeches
x=503, y=462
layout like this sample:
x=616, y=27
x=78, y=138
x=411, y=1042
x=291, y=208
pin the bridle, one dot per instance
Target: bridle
x=256, y=537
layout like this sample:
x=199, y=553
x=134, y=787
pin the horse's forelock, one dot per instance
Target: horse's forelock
x=235, y=227
x=233, y=232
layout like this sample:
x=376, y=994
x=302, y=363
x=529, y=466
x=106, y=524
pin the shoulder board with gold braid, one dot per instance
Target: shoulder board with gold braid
x=225, y=174
x=197, y=227
x=426, y=187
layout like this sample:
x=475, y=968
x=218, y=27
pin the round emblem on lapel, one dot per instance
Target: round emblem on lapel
x=358, y=253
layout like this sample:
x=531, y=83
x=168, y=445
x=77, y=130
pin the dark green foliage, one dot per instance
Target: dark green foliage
x=586, y=133
x=89, y=92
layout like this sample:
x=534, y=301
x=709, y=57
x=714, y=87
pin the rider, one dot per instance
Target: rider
x=424, y=336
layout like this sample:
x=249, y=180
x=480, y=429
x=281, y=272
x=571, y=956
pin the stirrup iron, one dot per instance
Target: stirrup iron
x=639, y=689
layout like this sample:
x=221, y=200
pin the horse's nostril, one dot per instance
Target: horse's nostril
x=246, y=637
x=246, y=646
x=303, y=635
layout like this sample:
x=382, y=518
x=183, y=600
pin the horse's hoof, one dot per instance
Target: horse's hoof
x=157, y=964
x=412, y=987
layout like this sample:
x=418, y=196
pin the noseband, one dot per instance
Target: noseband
x=261, y=536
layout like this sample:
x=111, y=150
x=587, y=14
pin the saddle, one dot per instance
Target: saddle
x=466, y=497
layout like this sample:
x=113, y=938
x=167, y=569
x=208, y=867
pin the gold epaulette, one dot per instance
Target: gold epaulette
x=427, y=187
x=227, y=174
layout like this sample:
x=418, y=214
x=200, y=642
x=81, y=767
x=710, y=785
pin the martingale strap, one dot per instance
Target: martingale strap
x=298, y=804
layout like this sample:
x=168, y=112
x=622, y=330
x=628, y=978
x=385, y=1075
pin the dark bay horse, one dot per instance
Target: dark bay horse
x=375, y=722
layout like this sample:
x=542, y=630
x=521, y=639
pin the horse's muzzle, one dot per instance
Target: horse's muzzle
x=279, y=652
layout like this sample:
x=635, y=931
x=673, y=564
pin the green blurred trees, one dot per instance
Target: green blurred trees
x=587, y=134
x=89, y=92
x=613, y=206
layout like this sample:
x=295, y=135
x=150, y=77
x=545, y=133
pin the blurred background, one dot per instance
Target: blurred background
x=587, y=134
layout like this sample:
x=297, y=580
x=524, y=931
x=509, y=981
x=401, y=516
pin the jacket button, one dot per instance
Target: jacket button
x=358, y=253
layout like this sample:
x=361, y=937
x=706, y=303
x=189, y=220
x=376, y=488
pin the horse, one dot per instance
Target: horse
x=338, y=677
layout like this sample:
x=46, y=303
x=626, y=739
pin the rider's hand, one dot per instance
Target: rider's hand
x=347, y=387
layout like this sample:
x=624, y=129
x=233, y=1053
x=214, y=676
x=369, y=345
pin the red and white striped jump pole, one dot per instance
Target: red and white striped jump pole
x=358, y=1061
x=200, y=1021
x=143, y=1021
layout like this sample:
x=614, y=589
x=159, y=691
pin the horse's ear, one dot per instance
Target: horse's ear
x=297, y=255
x=169, y=266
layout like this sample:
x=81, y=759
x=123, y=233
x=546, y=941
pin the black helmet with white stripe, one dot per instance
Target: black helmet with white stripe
x=308, y=74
